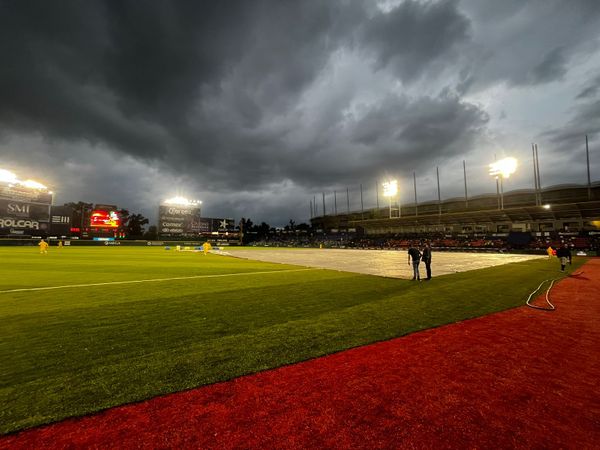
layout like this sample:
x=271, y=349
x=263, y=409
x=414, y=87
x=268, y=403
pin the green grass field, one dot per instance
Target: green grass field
x=75, y=350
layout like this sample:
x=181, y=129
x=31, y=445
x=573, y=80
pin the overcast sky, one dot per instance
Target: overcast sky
x=256, y=107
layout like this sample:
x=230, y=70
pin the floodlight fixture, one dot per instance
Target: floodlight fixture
x=500, y=170
x=6, y=176
x=503, y=168
x=546, y=206
x=390, y=188
x=33, y=184
x=182, y=201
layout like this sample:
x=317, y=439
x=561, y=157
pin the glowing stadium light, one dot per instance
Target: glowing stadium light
x=546, y=206
x=504, y=168
x=7, y=176
x=33, y=184
x=390, y=189
x=181, y=201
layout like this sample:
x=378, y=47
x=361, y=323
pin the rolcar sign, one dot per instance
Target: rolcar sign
x=19, y=223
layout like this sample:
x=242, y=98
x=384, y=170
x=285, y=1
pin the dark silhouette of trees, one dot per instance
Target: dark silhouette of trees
x=152, y=233
x=135, y=225
x=81, y=213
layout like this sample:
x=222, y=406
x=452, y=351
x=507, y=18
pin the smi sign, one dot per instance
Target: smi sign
x=18, y=209
x=24, y=210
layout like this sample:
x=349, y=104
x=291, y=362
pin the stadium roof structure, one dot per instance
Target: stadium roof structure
x=554, y=203
x=566, y=211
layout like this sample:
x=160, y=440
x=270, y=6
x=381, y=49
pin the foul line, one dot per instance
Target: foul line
x=153, y=280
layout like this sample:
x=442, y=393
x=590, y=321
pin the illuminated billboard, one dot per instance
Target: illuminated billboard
x=24, y=206
x=104, y=219
x=175, y=220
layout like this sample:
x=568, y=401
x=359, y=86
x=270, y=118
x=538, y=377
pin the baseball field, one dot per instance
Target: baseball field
x=86, y=329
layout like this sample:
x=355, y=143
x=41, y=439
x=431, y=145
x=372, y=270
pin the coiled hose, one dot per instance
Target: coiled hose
x=550, y=306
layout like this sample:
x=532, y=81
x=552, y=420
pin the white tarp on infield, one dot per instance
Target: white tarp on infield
x=386, y=263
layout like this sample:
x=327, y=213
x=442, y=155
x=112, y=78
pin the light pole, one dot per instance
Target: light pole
x=390, y=189
x=503, y=169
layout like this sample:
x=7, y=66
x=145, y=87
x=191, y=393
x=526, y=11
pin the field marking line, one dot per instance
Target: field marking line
x=154, y=280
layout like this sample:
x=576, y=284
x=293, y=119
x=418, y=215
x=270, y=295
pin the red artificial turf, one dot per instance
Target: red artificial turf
x=522, y=378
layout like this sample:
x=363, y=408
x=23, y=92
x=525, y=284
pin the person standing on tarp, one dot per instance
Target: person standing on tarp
x=564, y=254
x=415, y=254
x=426, y=257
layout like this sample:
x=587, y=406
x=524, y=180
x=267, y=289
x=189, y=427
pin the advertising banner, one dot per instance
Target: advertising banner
x=23, y=217
x=180, y=221
x=222, y=225
x=61, y=218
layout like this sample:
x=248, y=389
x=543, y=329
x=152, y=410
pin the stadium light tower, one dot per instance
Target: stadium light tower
x=390, y=189
x=503, y=169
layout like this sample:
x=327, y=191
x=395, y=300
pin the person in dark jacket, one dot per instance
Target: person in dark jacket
x=564, y=255
x=415, y=254
x=426, y=257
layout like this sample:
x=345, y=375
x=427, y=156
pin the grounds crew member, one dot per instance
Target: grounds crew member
x=564, y=254
x=206, y=247
x=43, y=246
x=415, y=254
x=427, y=259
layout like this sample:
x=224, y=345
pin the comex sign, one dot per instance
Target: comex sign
x=19, y=223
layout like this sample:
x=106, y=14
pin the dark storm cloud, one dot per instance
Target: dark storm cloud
x=417, y=130
x=110, y=71
x=552, y=67
x=586, y=120
x=265, y=101
x=414, y=36
x=526, y=43
x=590, y=90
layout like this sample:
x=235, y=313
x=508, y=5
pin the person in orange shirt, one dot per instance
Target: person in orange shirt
x=550, y=252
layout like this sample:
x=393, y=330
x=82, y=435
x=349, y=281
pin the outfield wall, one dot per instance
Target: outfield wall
x=89, y=243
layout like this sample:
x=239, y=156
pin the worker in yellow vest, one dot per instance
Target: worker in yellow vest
x=206, y=247
x=43, y=246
